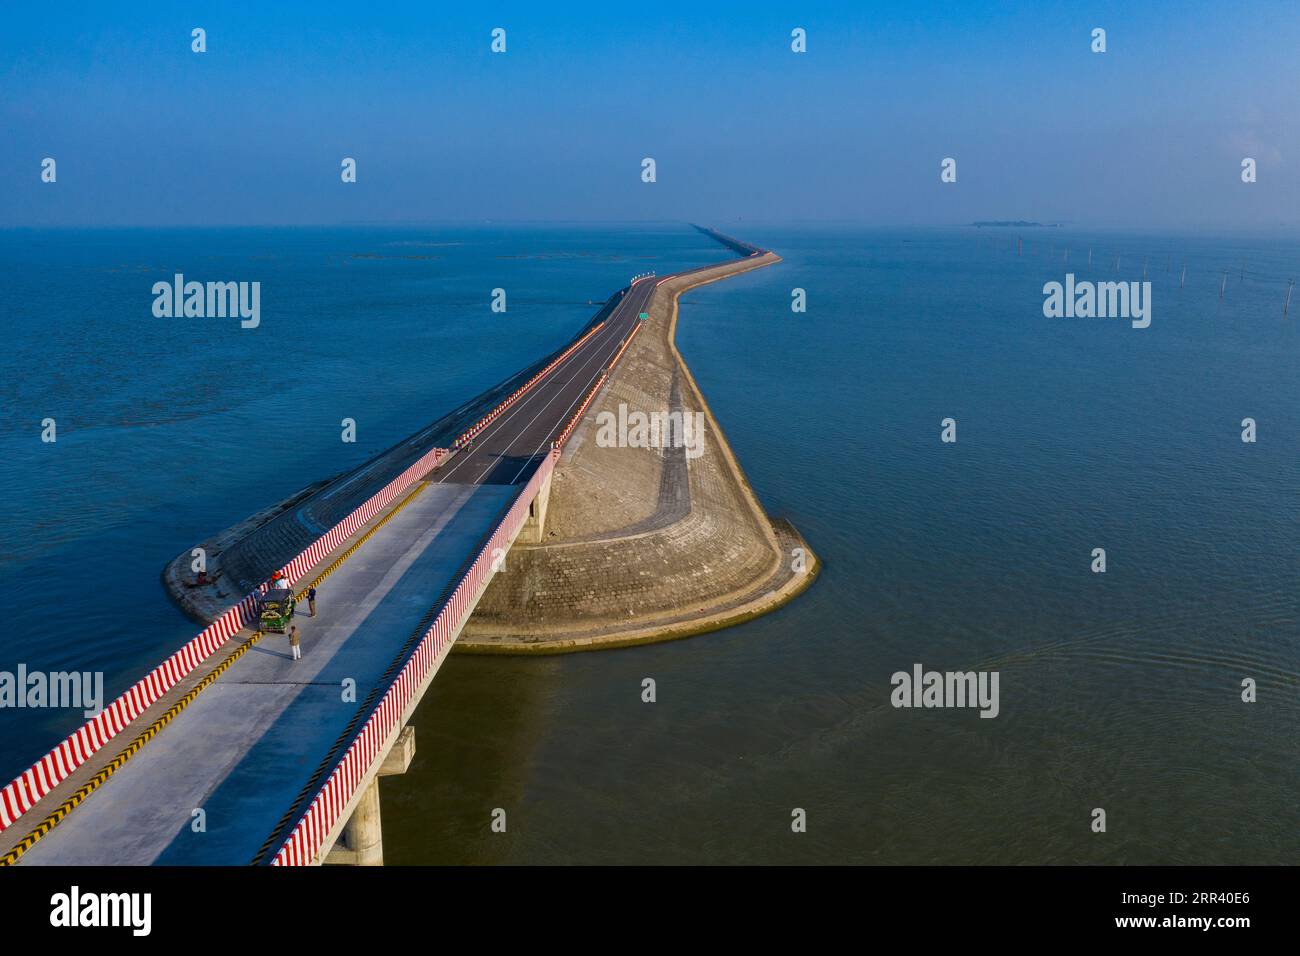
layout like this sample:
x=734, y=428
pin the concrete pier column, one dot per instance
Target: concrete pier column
x=534, y=529
x=364, y=834
x=362, y=841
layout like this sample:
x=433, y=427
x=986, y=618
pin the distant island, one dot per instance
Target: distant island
x=1018, y=223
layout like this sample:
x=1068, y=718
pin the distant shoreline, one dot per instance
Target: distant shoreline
x=1017, y=223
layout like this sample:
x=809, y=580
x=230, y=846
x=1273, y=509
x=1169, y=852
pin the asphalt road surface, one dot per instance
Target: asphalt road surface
x=508, y=450
x=252, y=558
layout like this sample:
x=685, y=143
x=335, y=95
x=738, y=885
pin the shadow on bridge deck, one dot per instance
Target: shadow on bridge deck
x=238, y=753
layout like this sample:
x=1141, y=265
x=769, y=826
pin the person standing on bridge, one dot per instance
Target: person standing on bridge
x=295, y=643
x=311, y=601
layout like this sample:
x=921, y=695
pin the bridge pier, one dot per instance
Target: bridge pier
x=362, y=841
x=534, y=527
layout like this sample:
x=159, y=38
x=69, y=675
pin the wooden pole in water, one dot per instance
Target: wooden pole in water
x=1183, y=278
x=1144, y=268
x=1090, y=255
x=1287, y=307
x=1225, y=284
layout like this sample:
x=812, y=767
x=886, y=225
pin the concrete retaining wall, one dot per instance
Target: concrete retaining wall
x=643, y=544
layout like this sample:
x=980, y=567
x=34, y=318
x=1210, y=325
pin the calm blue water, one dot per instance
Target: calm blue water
x=170, y=429
x=1119, y=691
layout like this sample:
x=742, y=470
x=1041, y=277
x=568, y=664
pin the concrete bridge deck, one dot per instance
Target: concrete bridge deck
x=245, y=749
x=248, y=750
x=255, y=745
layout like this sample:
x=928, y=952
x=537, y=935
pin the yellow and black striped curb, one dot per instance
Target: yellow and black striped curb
x=95, y=782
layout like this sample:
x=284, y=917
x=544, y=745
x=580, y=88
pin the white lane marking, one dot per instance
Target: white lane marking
x=563, y=418
x=605, y=333
x=499, y=423
x=515, y=409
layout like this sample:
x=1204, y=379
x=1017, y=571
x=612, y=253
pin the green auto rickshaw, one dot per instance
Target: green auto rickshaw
x=277, y=607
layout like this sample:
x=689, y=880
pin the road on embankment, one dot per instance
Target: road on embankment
x=250, y=558
x=508, y=455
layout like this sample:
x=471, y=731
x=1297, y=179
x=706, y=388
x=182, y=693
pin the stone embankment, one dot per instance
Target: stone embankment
x=644, y=544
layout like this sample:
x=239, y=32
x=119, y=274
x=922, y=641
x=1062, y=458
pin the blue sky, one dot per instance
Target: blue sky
x=1150, y=134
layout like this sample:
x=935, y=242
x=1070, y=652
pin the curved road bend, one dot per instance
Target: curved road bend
x=252, y=745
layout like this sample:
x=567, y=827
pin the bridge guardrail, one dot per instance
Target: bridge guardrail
x=591, y=394
x=32, y=785
x=306, y=839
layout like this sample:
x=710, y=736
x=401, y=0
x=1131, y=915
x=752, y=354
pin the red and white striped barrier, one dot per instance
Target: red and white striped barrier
x=309, y=834
x=346, y=528
x=43, y=776
x=577, y=416
x=26, y=790
x=514, y=396
x=32, y=785
x=314, y=826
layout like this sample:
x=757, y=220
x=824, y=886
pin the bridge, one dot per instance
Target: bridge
x=232, y=752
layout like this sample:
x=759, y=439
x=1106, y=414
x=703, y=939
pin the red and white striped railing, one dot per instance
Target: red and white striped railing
x=306, y=841
x=577, y=416
x=26, y=790
x=595, y=389
x=349, y=526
